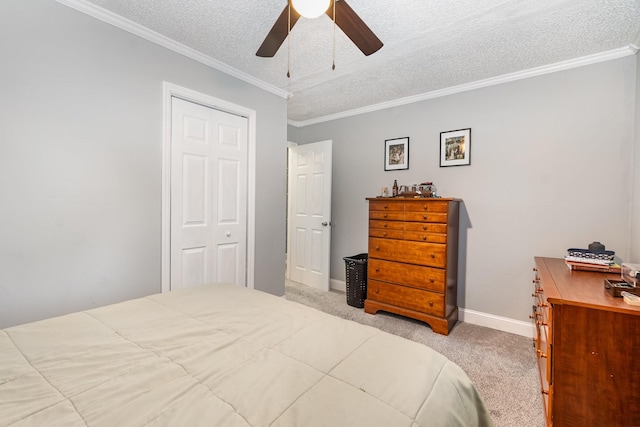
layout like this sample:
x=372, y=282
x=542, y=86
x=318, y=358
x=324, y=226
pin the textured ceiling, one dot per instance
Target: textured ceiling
x=429, y=45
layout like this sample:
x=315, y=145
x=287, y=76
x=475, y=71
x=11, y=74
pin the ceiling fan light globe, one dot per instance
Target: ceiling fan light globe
x=311, y=8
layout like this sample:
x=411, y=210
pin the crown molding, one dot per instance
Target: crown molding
x=505, y=78
x=154, y=37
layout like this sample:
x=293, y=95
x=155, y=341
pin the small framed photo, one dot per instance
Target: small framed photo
x=455, y=148
x=396, y=154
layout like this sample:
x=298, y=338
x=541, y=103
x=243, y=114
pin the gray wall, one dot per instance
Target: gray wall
x=80, y=161
x=550, y=169
x=635, y=212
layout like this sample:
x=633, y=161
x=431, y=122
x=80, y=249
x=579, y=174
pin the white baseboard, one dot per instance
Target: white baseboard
x=499, y=323
x=338, y=285
x=492, y=321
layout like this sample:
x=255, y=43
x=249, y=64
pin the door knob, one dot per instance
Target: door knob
x=325, y=223
x=228, y=234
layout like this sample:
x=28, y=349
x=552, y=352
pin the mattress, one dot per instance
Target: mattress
x=222, y=355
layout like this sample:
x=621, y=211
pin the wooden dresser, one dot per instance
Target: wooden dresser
x=413, y=259
x=587, y=346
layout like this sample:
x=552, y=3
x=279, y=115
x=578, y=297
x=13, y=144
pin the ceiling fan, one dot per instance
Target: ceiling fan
x=345, y=18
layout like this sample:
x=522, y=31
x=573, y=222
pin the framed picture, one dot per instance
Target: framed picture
x=396, y=154
x=455, y=147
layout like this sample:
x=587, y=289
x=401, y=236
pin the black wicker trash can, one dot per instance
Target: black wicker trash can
x=356, y=279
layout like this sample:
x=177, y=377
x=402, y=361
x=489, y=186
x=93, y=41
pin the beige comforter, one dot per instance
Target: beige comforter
x=220, y=355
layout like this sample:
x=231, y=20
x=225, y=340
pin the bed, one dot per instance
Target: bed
x=222, y=355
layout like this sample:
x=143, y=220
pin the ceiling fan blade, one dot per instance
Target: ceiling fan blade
x=278, y=33
x=355, y=28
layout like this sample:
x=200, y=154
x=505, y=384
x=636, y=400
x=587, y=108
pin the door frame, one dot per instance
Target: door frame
x=287, y=270
x=170, y=90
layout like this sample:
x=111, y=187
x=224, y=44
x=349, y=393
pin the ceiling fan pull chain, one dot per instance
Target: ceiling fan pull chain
x=333, y=67
x=289, y=43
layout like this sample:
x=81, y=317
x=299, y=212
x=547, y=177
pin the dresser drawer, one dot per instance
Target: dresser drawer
x=426, y=217
x=388, y=225
x=428, y=254
x=542, y=313
x=403, y=296
x=425, y=237
x=542, y=347
x=424, y=206
x=543, y=360
x=432, y=279
x=380, y=205
x=425, y=226
x=387, y=215
x=386, y=234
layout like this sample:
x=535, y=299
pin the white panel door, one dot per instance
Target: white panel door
x=309, y=228
x=208, y=196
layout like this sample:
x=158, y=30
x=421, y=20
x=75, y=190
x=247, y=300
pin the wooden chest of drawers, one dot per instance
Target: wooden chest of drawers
x=587, y=346
x=413, y=259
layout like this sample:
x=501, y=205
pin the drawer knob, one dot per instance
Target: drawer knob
x=384, y=234
x=385, y=215
x=430, y=303
x=425, y=207
x=424, y=237
x=385, y=206
x=432, y=280
x=384, y=225
x=424, y=227
x=377, y=290
x=424, y=217
x=433, y=256
x=377, y=248
x=377, y=270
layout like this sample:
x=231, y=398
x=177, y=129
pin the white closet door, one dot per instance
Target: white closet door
x=208, y=195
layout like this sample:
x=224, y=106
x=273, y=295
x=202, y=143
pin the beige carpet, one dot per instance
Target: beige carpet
x=501, y=365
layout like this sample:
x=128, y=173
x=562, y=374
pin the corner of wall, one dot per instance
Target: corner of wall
x=634, y=226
